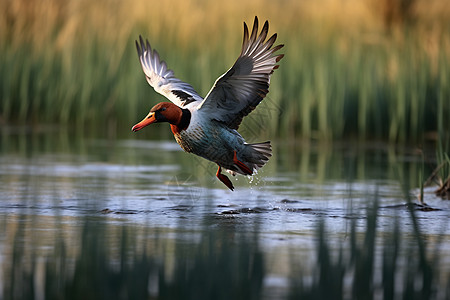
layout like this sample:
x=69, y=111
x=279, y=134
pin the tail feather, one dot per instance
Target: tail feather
x=258, y=155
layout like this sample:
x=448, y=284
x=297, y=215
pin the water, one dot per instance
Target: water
x=73, y=204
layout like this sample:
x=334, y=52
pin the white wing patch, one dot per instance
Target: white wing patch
x=162, y=79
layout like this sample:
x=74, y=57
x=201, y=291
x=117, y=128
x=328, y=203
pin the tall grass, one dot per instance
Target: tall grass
x=344, y=73
x=441, y=174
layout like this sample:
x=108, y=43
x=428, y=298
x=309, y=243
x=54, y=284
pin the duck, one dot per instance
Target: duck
x=208, y=127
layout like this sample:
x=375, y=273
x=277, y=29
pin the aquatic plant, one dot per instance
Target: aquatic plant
x=441, y=174
x=344, y=76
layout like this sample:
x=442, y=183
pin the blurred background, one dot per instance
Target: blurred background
x=353, y=204
x=366, y=69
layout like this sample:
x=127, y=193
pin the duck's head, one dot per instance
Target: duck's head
x=162, y=112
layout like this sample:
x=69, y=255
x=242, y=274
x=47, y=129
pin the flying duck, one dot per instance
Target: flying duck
x=208, y=126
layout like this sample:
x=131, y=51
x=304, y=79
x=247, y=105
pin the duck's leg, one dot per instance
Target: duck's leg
x=224, y=179
x=241, y=165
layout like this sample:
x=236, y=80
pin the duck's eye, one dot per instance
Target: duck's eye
x=163, y=109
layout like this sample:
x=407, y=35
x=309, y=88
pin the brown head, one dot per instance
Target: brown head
x=165, y=112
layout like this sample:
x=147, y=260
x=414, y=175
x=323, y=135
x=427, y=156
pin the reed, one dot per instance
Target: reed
x=344, y=74
x=441, y=174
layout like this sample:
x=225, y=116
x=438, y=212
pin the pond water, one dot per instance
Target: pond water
x=123, y=210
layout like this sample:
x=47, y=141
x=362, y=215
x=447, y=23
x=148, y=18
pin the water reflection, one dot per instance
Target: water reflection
x=141, y=219
x=96, y=257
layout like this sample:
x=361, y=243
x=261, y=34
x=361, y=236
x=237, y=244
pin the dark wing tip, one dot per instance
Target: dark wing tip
x=276, y=48
x=245, y=29
x=245, y=39
x=148, y=48
x=254, y=33
x=265, y=27
x=273, y=38
x=140, y=45
x=138, y=48
x=279, y=57
x=255, y=28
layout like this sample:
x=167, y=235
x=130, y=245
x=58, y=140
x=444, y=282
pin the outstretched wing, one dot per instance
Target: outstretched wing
x=237, y=92
x=163, y=79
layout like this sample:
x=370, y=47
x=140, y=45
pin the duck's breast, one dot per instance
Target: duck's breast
x=209, y=139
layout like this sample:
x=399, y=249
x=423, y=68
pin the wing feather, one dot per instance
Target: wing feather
x=237, y=92
x=162, y=79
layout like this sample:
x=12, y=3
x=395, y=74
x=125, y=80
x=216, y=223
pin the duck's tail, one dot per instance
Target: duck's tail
x=257, y=155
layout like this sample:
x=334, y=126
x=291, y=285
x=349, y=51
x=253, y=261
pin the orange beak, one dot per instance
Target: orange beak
x=149, y=119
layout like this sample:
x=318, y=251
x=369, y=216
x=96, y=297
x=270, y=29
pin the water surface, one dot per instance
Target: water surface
x=138, y=199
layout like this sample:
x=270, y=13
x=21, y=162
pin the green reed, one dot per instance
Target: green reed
x=331, y=84
x=441, y=175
